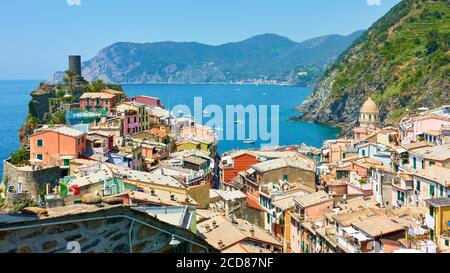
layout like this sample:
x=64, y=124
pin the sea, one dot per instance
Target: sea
x=15, y=95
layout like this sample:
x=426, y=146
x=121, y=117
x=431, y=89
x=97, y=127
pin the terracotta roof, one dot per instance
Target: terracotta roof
x=312, y=199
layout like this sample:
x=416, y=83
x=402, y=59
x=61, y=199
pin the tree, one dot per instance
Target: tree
x=19, y=157
x=70, y=79
x=98, y=85
x=433, y=41
x=59, y=117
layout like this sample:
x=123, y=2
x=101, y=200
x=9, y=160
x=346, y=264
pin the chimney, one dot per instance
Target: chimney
x=252, y=231
x=221, y=244
x=208, y=228
x=152, y=191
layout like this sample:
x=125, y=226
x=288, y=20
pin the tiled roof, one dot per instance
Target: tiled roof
x=438, y=174
x=441, y=152
x=299, y=163
x=68, y=131
x=312, y=199
x=97, y=96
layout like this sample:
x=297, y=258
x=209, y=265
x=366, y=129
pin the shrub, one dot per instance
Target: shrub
x=20, y=157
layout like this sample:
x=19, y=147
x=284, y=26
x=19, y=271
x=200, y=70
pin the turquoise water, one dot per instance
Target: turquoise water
x=14, y=97
x=286, y=97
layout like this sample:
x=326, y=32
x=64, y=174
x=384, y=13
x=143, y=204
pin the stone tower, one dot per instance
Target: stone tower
x=370, y=115
x=75, y=64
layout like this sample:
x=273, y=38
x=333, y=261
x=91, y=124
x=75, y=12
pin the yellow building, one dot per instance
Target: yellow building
x=192, y=145
x=143, y=114
x=438, y=220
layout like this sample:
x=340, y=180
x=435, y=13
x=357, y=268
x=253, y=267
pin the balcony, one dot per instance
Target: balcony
x=406, y=186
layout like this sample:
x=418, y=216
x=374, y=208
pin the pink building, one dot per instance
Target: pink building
x=360, y=133
x=97, y=101
x=130, y=122
x=411, y=128
x=307, y=208
x=149, y=101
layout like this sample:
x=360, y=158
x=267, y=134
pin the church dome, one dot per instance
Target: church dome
x=369, y=107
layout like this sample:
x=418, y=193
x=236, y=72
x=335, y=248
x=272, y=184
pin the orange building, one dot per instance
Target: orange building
x=233, y=164
x=57, y=146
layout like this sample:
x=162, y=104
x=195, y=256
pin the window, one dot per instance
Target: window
x=431, y=211
x=40, y=157
x=414, y=163
x=447, y=243
x=40, y=143
x=363, y=152
x=285, y=177
x=432, y=188
x=66, y=162
x=418, y=185
x=432, y=163
x=441, y=190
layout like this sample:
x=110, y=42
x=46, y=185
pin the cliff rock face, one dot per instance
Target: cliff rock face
x=402, y=62
x=263, y=57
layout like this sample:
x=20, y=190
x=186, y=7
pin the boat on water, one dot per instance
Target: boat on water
x=238, y=122
x=206, y=112
x=249, y=141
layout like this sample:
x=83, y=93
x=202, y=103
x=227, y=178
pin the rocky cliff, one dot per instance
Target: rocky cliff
x=402, y=62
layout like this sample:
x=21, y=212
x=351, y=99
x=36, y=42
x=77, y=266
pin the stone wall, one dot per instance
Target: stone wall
x=294, y=175
x=98, y=236
x=33, y=182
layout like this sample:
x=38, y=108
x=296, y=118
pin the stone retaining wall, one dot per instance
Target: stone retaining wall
x=32, y=182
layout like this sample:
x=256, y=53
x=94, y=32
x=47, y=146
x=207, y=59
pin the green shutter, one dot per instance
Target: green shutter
x=432, y=190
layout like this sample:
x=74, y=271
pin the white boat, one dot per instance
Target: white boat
x=239, y=122
x=249, y=141
x=206, y=112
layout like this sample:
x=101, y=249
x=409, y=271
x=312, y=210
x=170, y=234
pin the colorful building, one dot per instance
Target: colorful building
x=57, y=146
x=144, y=121
x=438, y=220
x=97, y=101
x=149, y=101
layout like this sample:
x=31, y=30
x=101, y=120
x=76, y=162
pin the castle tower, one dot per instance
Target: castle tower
x=75, y=64
x=370, y=115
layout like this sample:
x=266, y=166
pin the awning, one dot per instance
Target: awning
x=361, y=237
x=67, y=157
x=349, y=230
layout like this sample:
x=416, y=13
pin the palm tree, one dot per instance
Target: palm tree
x=70, y=78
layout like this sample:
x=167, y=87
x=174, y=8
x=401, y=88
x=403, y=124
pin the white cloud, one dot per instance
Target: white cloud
x=73, y=2
x=374, y=2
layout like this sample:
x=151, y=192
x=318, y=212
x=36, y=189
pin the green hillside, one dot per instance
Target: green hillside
x=402, y=62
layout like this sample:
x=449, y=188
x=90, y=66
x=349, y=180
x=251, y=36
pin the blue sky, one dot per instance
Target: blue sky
x=36, y=36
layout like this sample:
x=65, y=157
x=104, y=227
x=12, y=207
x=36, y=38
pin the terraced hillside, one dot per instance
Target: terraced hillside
x=402, y=62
